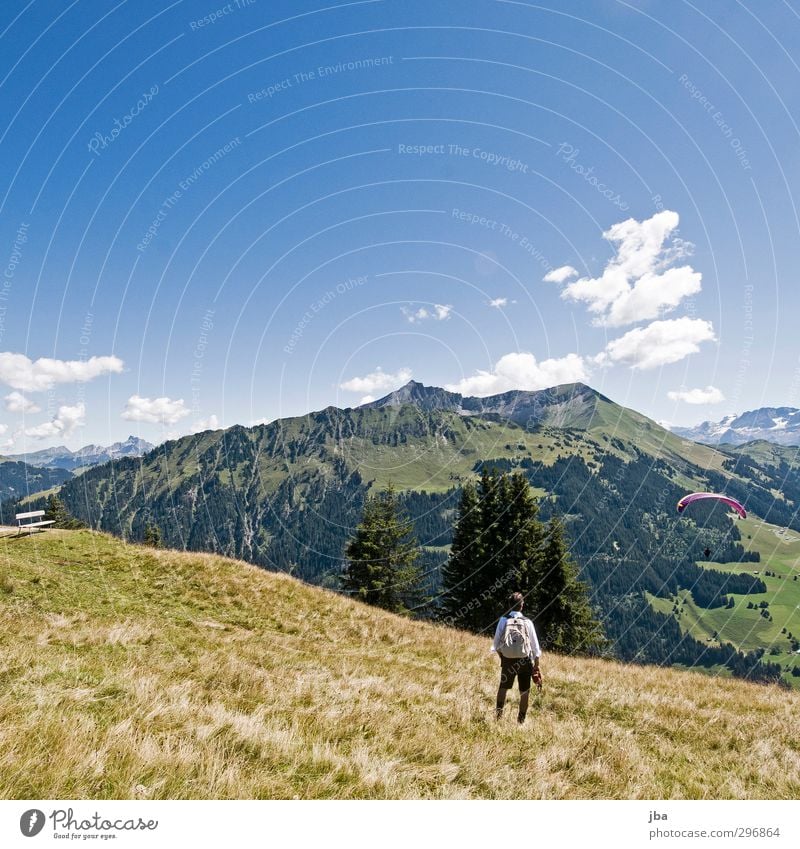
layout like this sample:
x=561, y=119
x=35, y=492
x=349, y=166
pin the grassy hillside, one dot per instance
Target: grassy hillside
x=135, y=673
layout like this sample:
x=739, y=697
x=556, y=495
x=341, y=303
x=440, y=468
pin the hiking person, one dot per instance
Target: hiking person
x=516, y=642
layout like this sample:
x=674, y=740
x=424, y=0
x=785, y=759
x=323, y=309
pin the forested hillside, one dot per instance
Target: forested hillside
x=287, y=495
x=18, y=480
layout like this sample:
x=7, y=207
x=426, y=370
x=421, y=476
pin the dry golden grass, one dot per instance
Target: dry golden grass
x=129, y=673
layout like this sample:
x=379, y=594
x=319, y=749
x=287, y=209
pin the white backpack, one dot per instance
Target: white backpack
x=516, y=640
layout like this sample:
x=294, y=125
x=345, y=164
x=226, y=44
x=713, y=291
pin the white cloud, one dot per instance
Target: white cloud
x=155, y=410
x=559, y=275
x=440, y=312
x=709, y=395
x=522, y=371
x=20, y=372
x=658, y=344
x=7, y=443
x=638, y=284
x=63, y=423
x=377, y=381
x=498, y=303
x=197, y=426
x=16, y=402
x=367, y=399
x=211, y=423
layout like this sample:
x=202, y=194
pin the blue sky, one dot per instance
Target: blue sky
x=224, y=213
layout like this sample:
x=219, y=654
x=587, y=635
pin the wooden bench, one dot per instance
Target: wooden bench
x=33, y=516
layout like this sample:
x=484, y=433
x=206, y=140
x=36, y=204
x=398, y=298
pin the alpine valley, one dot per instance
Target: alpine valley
x=286, y=496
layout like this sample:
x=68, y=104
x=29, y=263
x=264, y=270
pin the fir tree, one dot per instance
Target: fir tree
x=382, y=557
x=498, y=571
x=564, y=618
x=524, y=554
x=56, y=511
x=152, y=535
x=497, y=548
x=461, y=575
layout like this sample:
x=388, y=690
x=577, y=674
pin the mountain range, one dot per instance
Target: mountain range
x=287, y=495
x=780, y=425
x=90, y=455
x=572, y=405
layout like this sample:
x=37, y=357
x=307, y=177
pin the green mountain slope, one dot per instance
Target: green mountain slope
x=18, y=480
x=286, y=496
x=768, y=620
x=134, y=673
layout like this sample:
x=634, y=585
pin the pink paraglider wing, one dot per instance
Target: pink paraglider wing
x=702, y=496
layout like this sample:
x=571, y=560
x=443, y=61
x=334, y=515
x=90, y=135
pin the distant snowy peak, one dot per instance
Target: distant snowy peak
x=775, y=424
x=90, y=455
x=133, y=446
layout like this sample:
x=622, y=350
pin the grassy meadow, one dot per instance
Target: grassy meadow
x=746, y=628
x=134, y=673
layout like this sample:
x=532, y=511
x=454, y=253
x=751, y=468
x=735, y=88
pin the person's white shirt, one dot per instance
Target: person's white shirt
x=501, y=626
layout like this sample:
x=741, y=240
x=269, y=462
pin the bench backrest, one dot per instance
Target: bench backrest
x=34, y=515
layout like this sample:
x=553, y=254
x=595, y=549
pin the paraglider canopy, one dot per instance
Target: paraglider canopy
x=702, y=496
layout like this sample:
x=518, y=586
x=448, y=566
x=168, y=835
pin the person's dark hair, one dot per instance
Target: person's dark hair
x=515, y=601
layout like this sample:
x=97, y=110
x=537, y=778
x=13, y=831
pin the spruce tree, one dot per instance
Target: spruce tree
x=500, y=546
x=152, y=535
x=524, y=548
x=382, y=557
x=497, y=549
x=564, y=617
x=56, y=511
x=495, y=517
x=461, y=575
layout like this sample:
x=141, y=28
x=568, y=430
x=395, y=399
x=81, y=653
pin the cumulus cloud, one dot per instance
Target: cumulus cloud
x=498, y=303
x=641, y=282
x=163, y=410
x=63, y=423
x=16, y=402
x=709, y=395
x=658, y=344
x=377, y=381
x=211, y=423
x=559, y=275
x=20, y=372
x=522, y=371
x=439, y=312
